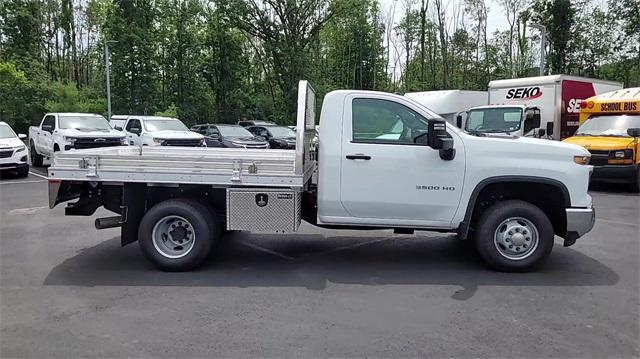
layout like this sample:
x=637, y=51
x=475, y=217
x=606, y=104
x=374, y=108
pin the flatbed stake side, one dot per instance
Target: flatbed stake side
x=382, y=161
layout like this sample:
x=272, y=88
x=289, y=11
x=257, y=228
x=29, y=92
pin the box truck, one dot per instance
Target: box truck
x=450, y=103
x=546, y=106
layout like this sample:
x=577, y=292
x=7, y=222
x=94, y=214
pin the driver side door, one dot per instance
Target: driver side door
x=134, y=130
x=386, y=178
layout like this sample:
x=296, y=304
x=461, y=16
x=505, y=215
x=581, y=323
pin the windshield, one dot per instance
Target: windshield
x=501, y=119
x=281, y=132
x=6, y=131
x=234, y=131
x=164, y=125
x=84, y=122
x=608, y=125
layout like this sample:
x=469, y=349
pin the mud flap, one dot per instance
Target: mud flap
x=133, y=209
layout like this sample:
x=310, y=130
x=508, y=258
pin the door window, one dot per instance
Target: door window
x=49, y=123
x=134, y=125
x=383, y=121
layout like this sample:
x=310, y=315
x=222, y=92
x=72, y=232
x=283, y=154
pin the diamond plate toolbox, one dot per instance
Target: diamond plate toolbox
x=263, y=210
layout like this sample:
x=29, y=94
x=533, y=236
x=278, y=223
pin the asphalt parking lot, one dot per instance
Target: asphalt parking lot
x=68, y=290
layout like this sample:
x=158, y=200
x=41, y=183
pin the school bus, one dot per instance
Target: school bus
x=609, y=129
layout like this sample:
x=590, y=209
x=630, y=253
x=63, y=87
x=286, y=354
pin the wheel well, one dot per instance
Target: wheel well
x=56, y=147
x=550, y=198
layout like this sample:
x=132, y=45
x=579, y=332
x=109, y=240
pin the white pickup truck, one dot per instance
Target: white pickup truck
x=510, y=196
x=60, y=132
x=157, y=131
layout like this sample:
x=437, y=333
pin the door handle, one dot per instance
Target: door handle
x=358, y=156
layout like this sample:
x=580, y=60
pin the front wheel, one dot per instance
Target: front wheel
x=636, y=184
x=177, y=234
x=514, y=236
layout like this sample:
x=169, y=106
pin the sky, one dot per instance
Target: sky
x=496, y=20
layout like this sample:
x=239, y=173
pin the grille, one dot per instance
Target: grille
x=95, y=142
x=256, y=146
x=6, y=153
x=183, y=143
x=599, y=157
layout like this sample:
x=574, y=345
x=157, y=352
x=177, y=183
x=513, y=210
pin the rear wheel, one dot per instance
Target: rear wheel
x=36, y=159
x=178, y=234
x=514, y=236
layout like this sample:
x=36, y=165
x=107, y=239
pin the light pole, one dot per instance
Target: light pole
x=543, y=43
x=108, y=72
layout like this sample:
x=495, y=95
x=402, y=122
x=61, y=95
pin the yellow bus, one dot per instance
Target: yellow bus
x=609, y=129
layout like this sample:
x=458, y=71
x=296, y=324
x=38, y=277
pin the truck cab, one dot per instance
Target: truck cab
x=516, y=120
x=160, y=131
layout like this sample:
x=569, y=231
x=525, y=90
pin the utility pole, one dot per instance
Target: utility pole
x=543, y=44
x=108, y=73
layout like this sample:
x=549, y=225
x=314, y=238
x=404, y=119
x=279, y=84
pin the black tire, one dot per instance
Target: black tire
x=36, y=159
x=206, y=231
x=492, y=221
x=636, y=184
x=23, y=172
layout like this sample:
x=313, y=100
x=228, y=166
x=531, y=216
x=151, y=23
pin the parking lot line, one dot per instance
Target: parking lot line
x=18, y=182
x=38, y=175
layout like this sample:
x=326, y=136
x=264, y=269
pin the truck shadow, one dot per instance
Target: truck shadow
x=310, y=261
x=618, y=188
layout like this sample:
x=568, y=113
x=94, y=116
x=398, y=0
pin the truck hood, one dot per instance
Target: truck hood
x=528, y=147
x=601, y=142
x=176, y=135
x=72, y=132
x=10, y=142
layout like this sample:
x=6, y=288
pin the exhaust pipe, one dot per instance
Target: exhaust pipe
x=109, y=222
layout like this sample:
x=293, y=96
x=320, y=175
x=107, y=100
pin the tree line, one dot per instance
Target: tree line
x=223, y=60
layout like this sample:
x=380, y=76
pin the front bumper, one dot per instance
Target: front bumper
x=579, y=222
x=614, y=173
x=13, y=166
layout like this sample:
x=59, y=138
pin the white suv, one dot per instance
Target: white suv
x=13, y=152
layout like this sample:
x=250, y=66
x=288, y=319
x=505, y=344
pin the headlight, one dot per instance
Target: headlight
x=158, y=140
x=69, y=139
x=582, y=160
x=623, y=154
x=20, y=148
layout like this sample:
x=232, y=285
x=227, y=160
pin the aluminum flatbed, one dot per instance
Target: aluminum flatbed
x=183, y=165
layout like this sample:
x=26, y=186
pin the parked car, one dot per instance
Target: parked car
x=13, y=152
x=160, y=131
x=65, y=131
x=277, y=136
x=233, y=136
x=248, y=123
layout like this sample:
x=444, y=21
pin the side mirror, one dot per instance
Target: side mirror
x=47, y=128
x=459, y=121
x=22, y=136
x=549, y=128
x=118, y=128
x=135, y=130
x=438, y=138
x=541, y=132
x=633, y=132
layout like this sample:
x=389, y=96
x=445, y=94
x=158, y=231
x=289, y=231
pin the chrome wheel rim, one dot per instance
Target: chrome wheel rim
x=173, y=237
x=516, y=238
